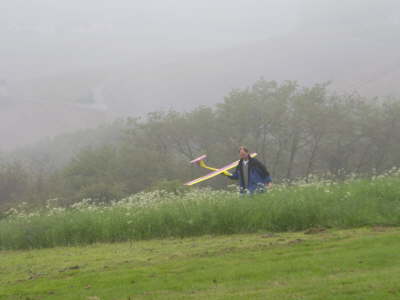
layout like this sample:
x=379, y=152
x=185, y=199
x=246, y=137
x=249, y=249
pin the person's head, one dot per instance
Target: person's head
x=244, y=153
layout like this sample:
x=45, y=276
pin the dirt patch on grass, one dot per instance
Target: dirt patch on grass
x=380, y=229
x=296, y=241
x=269, y=235
x=315, y=230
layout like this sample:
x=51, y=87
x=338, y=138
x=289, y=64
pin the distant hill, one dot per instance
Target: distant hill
x=23, y=123
x=351, y=62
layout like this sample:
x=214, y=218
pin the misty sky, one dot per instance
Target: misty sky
x=152, y=54
x=43, y=37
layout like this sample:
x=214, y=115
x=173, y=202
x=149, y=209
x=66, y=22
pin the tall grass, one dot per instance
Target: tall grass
x=159, y=214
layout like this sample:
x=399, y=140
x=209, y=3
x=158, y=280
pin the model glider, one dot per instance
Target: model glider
x=224, y=170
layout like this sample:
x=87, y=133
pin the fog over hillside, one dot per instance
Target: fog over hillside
x=74, y=64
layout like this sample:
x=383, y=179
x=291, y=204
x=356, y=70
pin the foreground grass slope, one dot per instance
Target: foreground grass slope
x=353, y=203
x=348, y=264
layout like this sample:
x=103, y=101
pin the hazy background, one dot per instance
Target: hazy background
x=66, y=65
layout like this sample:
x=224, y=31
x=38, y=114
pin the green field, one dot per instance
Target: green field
x=326, y=264
x=309, y=240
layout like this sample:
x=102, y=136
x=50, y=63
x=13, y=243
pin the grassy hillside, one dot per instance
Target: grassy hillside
x=350, y=204
x=348, y=264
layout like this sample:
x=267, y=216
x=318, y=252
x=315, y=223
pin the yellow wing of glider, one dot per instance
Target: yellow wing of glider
x=216, y=172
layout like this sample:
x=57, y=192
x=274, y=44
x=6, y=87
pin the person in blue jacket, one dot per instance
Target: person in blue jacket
x=252, y=174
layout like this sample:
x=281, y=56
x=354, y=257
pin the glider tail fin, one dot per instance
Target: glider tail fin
x=201, y=163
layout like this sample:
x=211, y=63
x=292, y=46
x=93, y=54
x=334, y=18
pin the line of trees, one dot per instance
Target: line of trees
x=297, y=131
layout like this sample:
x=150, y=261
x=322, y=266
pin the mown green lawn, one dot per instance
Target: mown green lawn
x=347, y=264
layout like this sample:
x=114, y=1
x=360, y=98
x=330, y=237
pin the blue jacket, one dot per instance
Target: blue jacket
x=258, y=175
